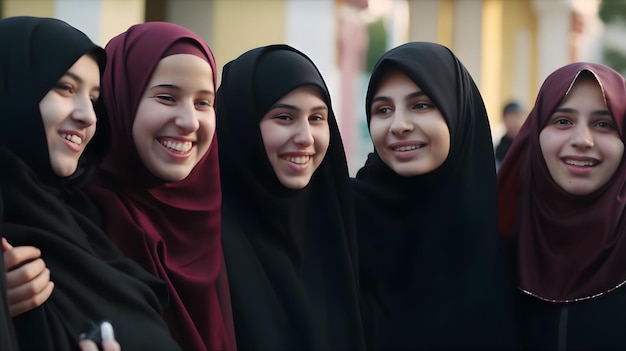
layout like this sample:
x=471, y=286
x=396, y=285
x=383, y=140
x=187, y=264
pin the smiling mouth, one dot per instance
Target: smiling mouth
x=176, y=146
x=581, y=163
x=72, y=138
x=300, y=160
x=407, y=148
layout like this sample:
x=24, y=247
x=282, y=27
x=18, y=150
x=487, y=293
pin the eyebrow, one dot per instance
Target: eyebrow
x=176, y=87
x=571, y=110
x=79, y=79
x=408, y=97
x=296, y=108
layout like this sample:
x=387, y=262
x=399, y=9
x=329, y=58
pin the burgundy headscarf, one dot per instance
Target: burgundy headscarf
x=568, y=247
x=172, y=228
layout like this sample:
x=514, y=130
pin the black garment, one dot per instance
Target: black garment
x=93, y=281
x=7, y=334
x=289, y=253
x=503, y=147
x=434, y=271
x=593, y=324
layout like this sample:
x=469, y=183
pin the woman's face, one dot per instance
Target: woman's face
x=68, y=114
x=408, y=130
x=175, y=121
x=581, y=143
x=296, y=135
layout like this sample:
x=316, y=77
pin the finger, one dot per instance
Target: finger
x=19, y=254
x=110, y=345
x=25, y=273
x=87, y=345
x=5, y=245
x=29, y=288
x=15, y=309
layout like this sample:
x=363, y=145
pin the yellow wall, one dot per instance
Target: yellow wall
x=116, y=16
x=39, y=8
x=245, y=24
x=491, y=53
x=445, y=22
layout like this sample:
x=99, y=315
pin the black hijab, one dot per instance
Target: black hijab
x=431, y=267
x=93, y=281
x=7, y=334
x=289, y=253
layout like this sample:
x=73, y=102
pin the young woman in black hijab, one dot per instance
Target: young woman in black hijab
x=288, y=232
x=433, y=273
x=50, y=78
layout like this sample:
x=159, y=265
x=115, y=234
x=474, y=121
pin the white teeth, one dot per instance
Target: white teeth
x=406, y=148
x=177, y=146
x=298, y=159
x=73, y=138
x=580, y=163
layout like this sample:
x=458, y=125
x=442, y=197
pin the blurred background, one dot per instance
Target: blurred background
x=509, y=46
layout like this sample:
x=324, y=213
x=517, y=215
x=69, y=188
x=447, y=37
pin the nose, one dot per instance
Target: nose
x=582, y=137
x=186, y=118
x=84, y=112
x=303, y=136
x=400, y=123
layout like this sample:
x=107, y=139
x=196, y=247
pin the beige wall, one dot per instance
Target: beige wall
x=117, y=15
x=245, y=24
x=40, y=8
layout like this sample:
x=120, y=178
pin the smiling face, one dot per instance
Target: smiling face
x=68, y=115
x=409, y=132
x=175, y=120
x=296, y=135
x=581, y=144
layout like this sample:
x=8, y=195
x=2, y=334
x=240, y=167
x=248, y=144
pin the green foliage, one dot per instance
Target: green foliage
x=377, y=43
x=615, y=59
x=612, y=10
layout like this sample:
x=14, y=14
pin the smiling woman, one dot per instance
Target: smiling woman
x=562, y=204
x=50, y=77
x=288, y=232
x=433, y=270
x=159, y=187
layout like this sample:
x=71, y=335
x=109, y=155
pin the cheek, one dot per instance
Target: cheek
x=378, y=133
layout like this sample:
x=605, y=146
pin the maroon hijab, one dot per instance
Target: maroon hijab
x=172, y=228
x=568, y=247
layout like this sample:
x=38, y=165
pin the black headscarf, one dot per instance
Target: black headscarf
x=432, y=271
x=93, y=281
x=289, y=253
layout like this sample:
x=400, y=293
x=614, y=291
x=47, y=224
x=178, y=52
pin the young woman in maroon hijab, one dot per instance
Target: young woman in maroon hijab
x=561, y=202
x=159, y=187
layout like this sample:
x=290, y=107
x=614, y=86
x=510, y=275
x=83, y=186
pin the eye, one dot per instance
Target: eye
x=560, y=121
x=422, y=106
x=283, y=117
x=165, y=99
x=317, y=118
x=606, y=125
x=382, y=111
x=203, y=105
x=65, y=89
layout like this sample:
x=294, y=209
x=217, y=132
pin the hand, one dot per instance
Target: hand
x=28, y=285
x=107, y=345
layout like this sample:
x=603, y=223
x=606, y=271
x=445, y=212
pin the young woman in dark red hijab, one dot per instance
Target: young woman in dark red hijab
x=159, y=187
x=561, y=202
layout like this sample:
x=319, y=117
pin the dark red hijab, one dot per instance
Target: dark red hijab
x=568, y=247
x=172, y=228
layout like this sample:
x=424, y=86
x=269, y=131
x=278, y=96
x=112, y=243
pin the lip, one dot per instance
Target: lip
x=176, y=155
x=296, y=166
x=71, y=145
x=406, y=154
x=580, y=169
